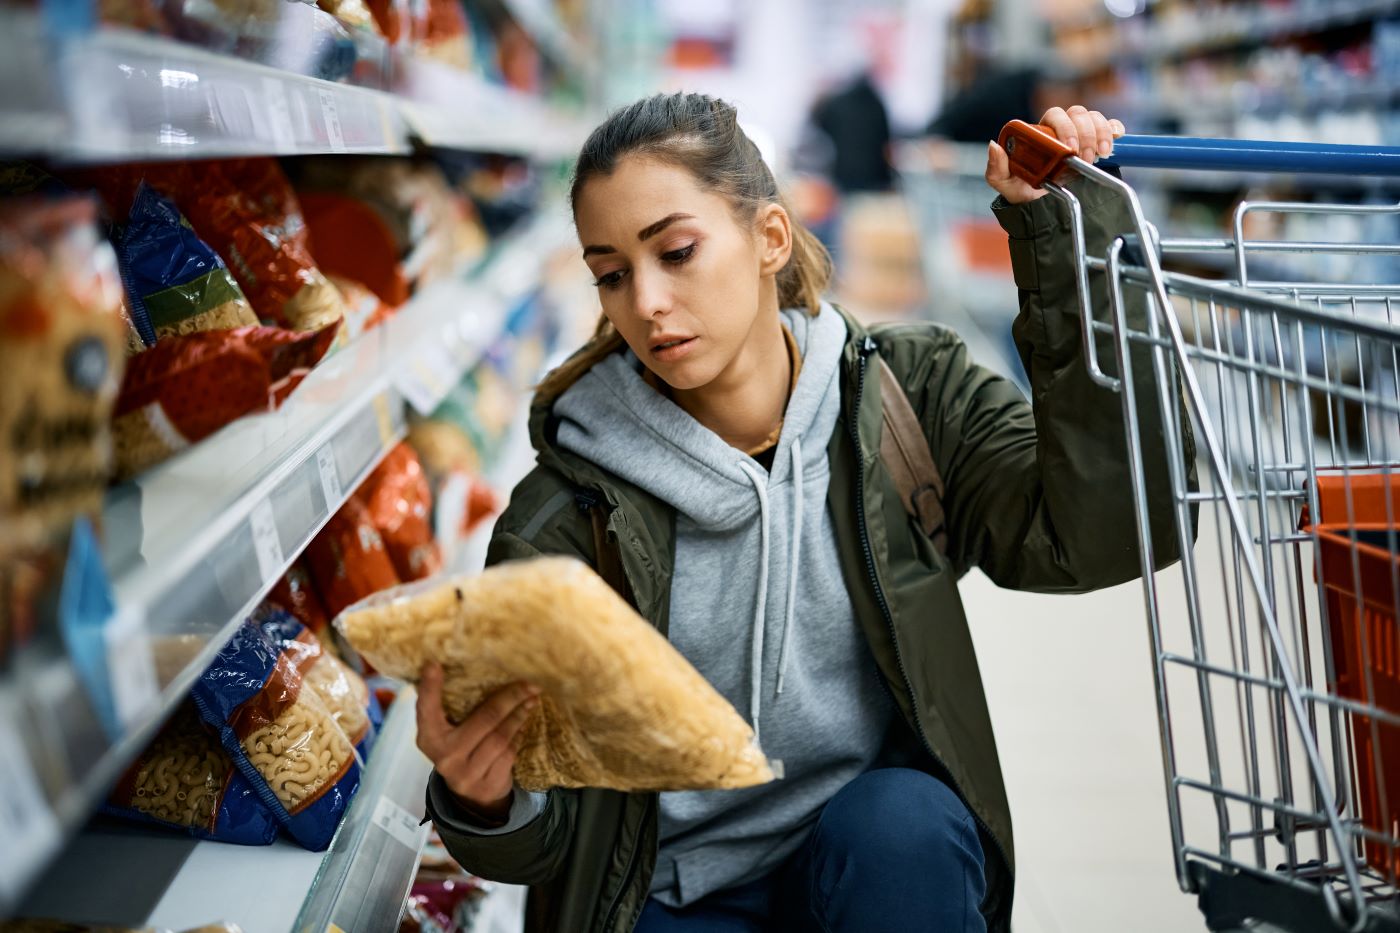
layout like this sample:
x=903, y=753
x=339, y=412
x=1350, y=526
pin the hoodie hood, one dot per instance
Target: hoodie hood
x=612, y=418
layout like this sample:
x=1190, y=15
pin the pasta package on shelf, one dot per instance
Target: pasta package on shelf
x=400, y=506
x=342, y=690
x=295, y=593
x=61, y=355
x=433, y=230
x=187, y=387
x=348, y=560
x=280, y=734
x=175, y=283
x=364, y=310
x=620, y=707
x=185, y=780
x=247, y=211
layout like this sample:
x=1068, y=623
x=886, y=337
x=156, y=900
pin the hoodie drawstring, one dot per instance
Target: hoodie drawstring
x=760, y=485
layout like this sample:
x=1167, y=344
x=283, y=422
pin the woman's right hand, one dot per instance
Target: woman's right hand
x=475, y=757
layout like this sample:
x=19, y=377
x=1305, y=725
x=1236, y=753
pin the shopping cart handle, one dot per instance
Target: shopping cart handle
x=1037, y=156
x=1248, y=155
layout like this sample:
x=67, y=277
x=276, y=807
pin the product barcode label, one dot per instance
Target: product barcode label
x=279, y=115
x=27, y=824
x=330, y=476
x=131, y=669
x=399, y=823
x=335, y=135
x=266, y=543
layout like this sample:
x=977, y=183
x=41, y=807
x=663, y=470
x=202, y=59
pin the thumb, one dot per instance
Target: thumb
x=998, y=164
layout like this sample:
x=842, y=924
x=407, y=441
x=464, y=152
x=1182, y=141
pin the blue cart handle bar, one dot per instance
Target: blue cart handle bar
x=1037, y=156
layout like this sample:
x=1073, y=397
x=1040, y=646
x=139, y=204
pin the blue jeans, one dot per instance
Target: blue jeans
x=894, y=850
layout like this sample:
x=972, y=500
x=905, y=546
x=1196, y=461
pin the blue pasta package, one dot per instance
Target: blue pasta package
x=280, y=733
x=342, y=690
x=175, y=283
x=184, y=780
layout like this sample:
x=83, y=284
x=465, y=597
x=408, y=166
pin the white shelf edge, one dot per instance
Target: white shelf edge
x=119, y=95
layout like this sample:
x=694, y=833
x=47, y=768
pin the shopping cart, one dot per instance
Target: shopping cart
x=962, y=248
x=1276, y=660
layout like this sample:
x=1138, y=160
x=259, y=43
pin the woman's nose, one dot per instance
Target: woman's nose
x=651, y=294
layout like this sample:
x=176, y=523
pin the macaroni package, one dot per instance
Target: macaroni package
x=280, y=733
x=185, y=780
x=175, y=284
x=400, y=506
x=348, y=560
x=620, y=707
x=296, y=594
x=342, y=690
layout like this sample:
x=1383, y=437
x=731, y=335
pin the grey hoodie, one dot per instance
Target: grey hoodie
x=758, y=603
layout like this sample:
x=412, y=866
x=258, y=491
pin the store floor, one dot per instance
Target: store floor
x=1069, y=681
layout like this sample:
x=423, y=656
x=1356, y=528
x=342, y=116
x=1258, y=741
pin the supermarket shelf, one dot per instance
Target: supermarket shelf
x=195, y=543
x=1247, y=102
x=139, y=878
x=117, y=95
x=1233, y=27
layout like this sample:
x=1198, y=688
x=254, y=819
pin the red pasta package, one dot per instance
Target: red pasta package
x=296, y=594
x=187, y=387
x=400, y=505
x=348, y=560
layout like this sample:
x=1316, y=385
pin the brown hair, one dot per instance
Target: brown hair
x=702, y=134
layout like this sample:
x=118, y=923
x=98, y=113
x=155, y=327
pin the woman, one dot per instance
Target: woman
x=722, y=428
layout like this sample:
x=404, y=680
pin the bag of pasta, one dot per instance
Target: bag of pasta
x=620, y=707
x=175, y=283
x=344, y=692
x=185, y=780
x=280, y=734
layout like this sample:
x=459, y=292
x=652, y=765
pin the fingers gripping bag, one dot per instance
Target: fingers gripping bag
x=280, y=734
x=620, y=708
x=344, y=692
x=175, y=283
x=185, y=780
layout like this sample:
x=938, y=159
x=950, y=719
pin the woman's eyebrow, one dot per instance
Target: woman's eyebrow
x=646, y=233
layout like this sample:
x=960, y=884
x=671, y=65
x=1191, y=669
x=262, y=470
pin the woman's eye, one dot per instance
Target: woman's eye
x=678, y=256
x=609, y=280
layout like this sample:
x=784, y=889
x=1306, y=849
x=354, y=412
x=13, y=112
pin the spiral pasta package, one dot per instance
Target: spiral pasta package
x=185, y=780
x=280, y=733
x=620, y=707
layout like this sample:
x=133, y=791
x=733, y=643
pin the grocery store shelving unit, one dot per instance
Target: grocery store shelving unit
x=192, y=545
x=117, y=95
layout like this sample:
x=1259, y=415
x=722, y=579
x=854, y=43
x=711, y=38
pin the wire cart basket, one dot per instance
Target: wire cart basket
x=1276, y=657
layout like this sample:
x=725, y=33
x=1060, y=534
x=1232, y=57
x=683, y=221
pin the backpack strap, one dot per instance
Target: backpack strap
x=904, y=450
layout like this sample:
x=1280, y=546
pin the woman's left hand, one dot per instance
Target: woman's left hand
x=1088, y=131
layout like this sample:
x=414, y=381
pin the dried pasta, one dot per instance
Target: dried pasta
x=345, y=695
x=300, y=752
x=621, y=708
x=182, y=774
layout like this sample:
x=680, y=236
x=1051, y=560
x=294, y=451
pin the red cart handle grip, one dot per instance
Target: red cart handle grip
x=1036, y=155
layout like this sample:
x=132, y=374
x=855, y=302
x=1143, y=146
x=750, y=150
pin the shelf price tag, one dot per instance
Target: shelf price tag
x=330, y=476
x=266, y=543
x=131, y=669
x=27, y=824
x=279, y=115
x=335, y=133
x=399, y=824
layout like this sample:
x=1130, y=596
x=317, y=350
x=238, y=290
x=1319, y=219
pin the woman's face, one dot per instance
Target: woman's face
x=678, y=277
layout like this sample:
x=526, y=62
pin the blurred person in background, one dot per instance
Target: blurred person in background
x=715, y=452
x=992, y=97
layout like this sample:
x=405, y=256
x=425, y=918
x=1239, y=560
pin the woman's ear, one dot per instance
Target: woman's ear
x=775, y=239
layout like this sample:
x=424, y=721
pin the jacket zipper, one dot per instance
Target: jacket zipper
x=867, y=347
x=627, y=873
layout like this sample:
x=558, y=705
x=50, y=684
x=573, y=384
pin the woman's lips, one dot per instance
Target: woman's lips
x=674, y=351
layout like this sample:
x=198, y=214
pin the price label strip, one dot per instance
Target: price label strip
x=335, y=133
x=399, y=824
x=27, y=825
x=330, y=477
x=131, y=669
x=266, y=542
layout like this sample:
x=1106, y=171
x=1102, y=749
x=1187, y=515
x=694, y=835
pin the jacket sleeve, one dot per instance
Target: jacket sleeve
x=535, y=852
x=1039, y=495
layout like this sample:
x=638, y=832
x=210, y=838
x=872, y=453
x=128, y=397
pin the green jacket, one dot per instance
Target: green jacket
x=1038, y=497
